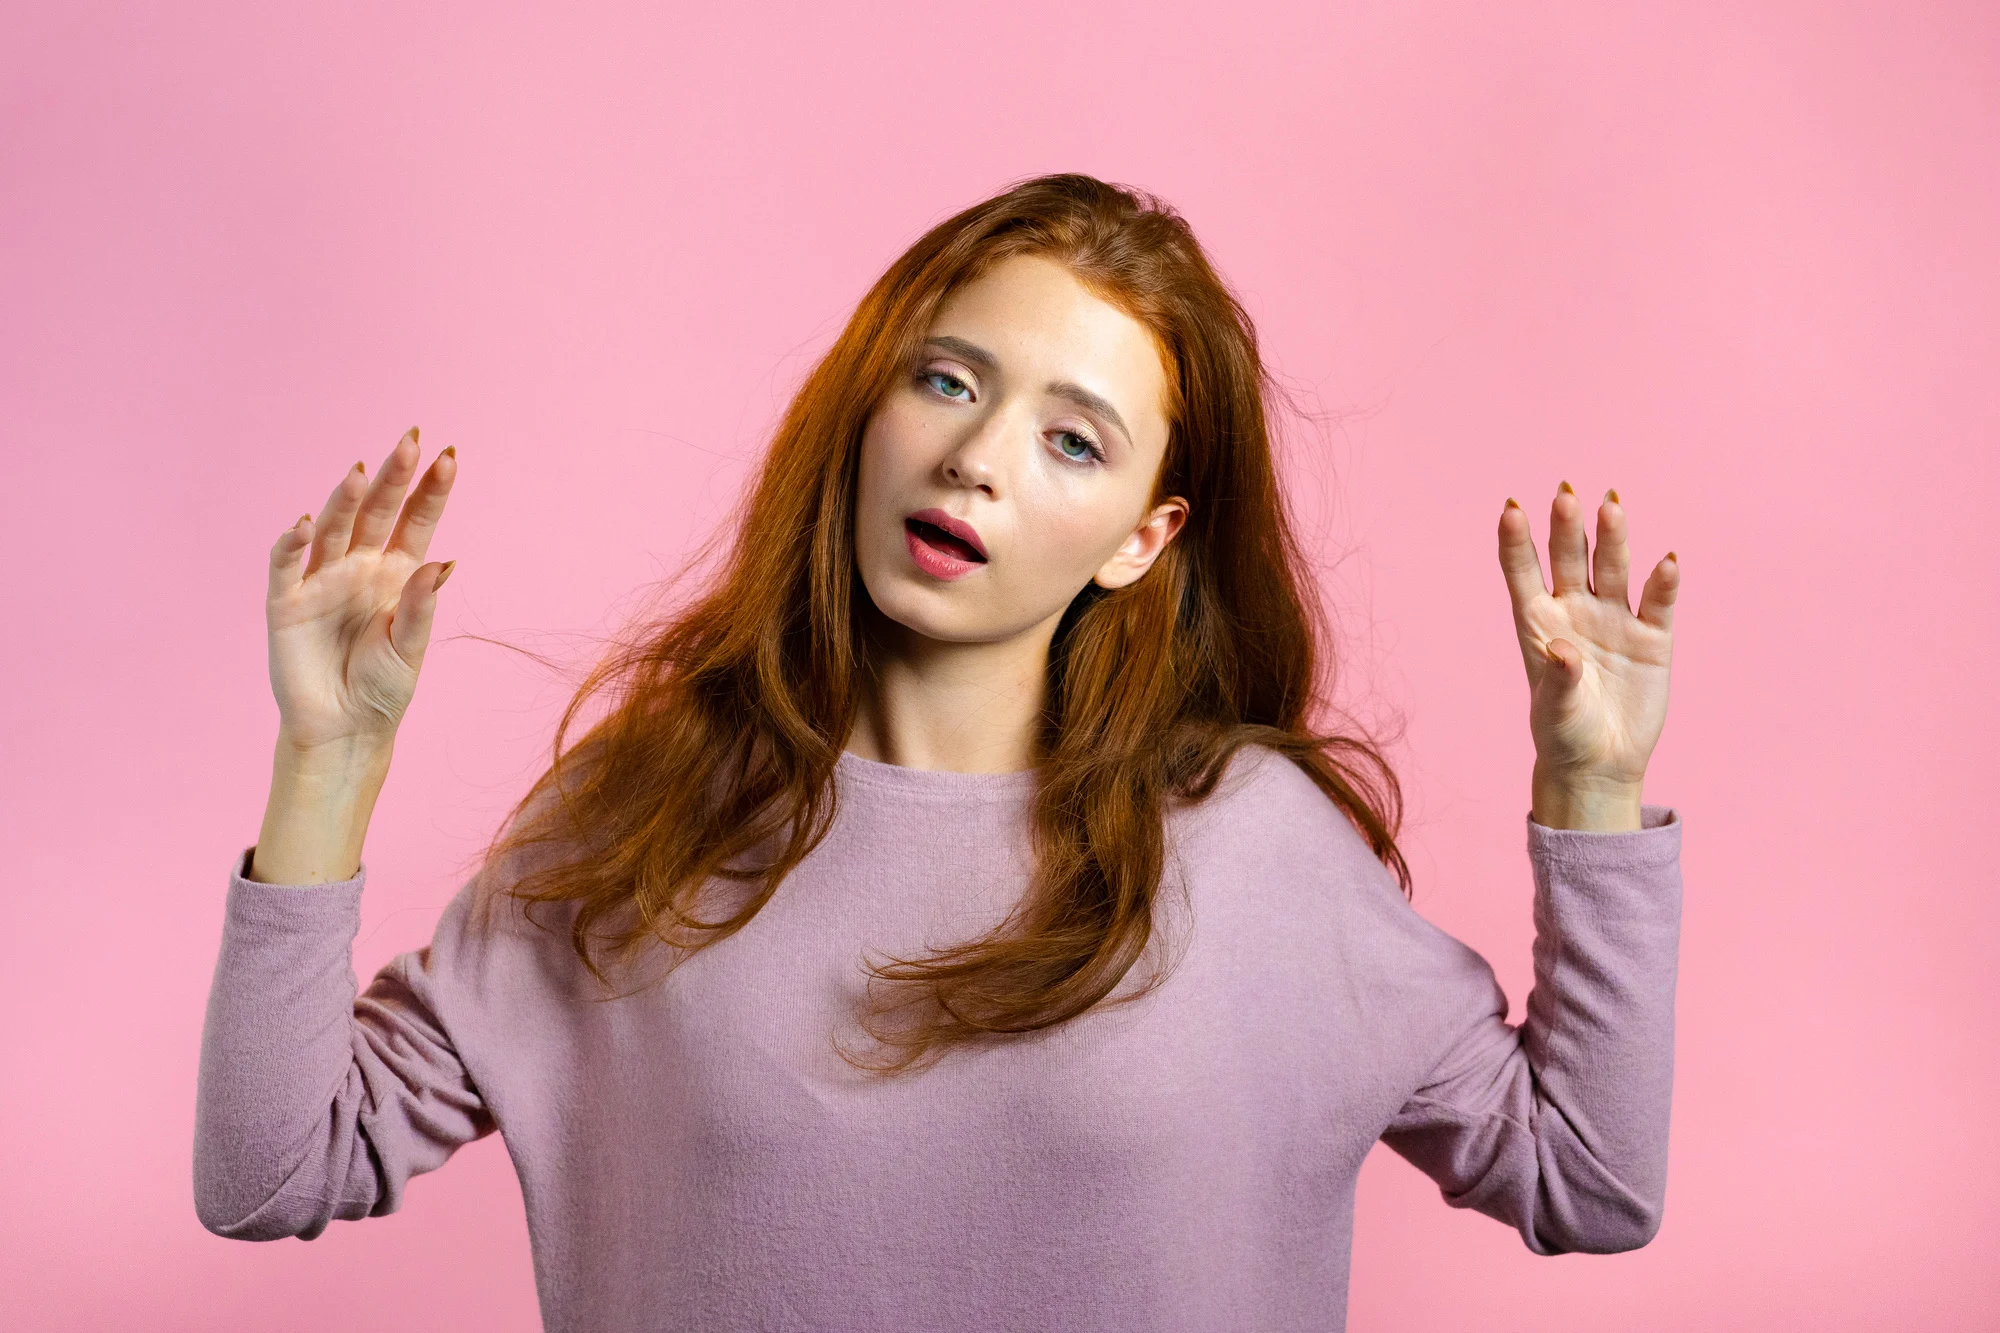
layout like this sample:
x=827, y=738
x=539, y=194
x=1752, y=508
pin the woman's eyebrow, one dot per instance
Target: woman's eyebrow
x=965, y=351
x=1091, y=402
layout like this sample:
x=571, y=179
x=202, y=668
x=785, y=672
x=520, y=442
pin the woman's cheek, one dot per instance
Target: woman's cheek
x=1059, y=552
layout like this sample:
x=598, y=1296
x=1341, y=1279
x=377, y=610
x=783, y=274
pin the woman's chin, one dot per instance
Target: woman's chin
x=907, y=613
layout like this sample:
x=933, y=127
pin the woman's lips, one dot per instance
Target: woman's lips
x=937, y=552
x=952, y=527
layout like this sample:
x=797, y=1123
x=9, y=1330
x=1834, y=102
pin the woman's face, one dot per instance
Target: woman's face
x=1034, y=416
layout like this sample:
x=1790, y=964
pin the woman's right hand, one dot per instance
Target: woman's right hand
x=349, y=622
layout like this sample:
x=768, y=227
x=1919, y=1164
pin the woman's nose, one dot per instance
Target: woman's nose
x=976, y=459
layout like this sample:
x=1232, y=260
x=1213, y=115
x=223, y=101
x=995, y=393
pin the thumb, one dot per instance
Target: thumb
x=1565, y=667
x=410, y=628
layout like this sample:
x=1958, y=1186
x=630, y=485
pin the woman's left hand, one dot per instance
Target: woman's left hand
x=1597, y=673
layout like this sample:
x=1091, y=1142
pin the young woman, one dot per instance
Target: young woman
x=957, y=920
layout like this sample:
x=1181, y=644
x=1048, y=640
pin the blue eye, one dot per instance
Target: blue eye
x=952, y=384
x=1090, y=449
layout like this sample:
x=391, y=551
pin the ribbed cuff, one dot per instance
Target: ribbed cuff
x=1656, y=841
x=293, y=904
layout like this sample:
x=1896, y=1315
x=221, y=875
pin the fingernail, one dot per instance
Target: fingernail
x=450, y=449
x=1671, y=556
x=1567, y=487
x=413, y=434
x=303, y=518
x=1512, y=503
x=362, y=470
x=1612, y=495
x=443, y=574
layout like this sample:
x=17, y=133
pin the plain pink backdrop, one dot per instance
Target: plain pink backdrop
x=1736, y=260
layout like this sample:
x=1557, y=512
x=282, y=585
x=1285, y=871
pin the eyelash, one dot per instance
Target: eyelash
x=925, y=376
x=1095, y=454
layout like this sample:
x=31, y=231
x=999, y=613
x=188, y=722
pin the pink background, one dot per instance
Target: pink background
x=1736, y=260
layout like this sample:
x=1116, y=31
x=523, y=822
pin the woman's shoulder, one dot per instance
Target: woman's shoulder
x=1267, y=806
x=491, y=924
x=1272, y=832
x=502, y=958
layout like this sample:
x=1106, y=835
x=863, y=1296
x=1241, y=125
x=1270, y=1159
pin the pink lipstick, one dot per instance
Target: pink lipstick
x=942, y=546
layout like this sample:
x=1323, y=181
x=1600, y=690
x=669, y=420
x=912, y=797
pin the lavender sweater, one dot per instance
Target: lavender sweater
x=696, y=1156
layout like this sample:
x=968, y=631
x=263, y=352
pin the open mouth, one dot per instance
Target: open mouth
x=935, y=537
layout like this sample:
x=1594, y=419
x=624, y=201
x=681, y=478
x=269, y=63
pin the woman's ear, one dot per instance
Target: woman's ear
x=1136, y=554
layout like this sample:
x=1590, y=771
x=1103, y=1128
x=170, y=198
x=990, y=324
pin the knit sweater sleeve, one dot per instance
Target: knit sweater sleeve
x=317, y=1100
x=1558, y=1127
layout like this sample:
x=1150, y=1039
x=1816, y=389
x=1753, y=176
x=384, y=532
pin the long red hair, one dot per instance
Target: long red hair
x=715, y=762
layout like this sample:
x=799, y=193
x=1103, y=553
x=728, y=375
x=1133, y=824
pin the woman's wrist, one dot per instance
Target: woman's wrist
x=1586, y=804
x=316, y=819
x=356, y=757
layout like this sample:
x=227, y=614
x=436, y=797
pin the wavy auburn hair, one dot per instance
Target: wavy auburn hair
x=716, y=761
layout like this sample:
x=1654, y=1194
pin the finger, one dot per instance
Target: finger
x=418, y=524
x=378, y=507
x=336, y=520
x=1656, y=599
x=1518, y=560
x=287, y=570
x=1569, y=554
x=410, y=626
x=1611, y=565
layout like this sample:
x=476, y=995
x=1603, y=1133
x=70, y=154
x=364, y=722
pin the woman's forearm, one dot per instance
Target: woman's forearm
x=316, y=817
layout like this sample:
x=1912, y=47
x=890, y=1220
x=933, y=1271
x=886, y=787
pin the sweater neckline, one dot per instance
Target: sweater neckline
x=935, y=782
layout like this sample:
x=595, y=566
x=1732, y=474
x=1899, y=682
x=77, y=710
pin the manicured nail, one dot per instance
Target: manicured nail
x=450, y=449
x=304, y=518
x=413, y=434
x=443, y=574
x=1512, y=503
x=1671, y=556
x=361, y=469
x=1612, y=495
x=1567, y=487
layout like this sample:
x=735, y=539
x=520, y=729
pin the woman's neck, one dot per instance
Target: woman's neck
x=957, y=707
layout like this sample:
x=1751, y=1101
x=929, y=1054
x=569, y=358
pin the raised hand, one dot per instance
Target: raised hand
x=1597, y=672
x=350, y=621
